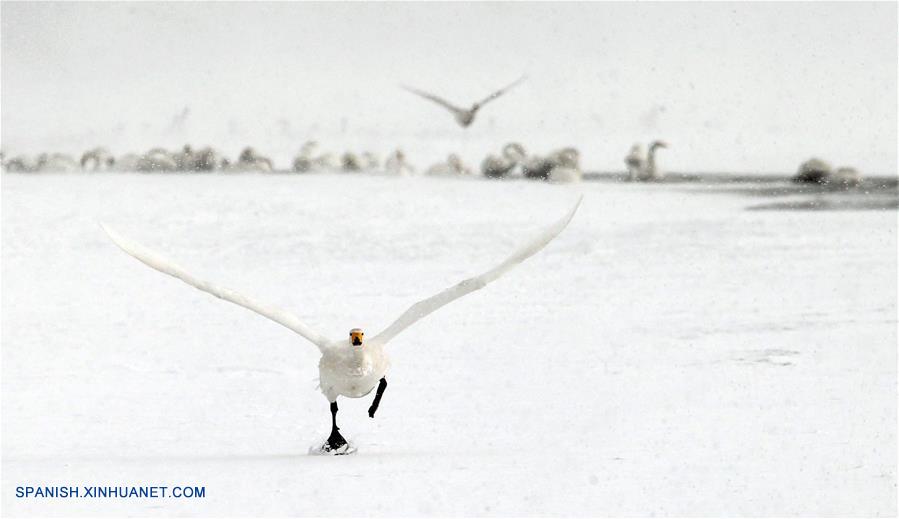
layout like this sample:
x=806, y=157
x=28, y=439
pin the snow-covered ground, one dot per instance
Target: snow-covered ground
x=669, y=353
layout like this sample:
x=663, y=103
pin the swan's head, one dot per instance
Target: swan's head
x=659, y=144
x=356, y=336
x=514, y=152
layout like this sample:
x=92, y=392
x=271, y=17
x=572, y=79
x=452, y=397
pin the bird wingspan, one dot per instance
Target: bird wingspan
x=503, y=90
x=431, y=97
x=427, y=306
x=157, y=262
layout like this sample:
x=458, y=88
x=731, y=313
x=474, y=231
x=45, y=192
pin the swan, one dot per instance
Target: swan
x=157, y=159
x=452, y=167
x=350, y=162
x=250, y=160
x=566, y=166
x=370, y=161
x=817, y=171
x=635, y=161
x=306, y=162
x=207, y=159
x=464, y=117
x=650, y=171
x=127, y=162
x=541, y=168
x=396, y=164
x=97, y=159
x=20, y=164
x=846, y=176
x=536, y=167
x=55, y=163
x=355, y=366
x=498, y=167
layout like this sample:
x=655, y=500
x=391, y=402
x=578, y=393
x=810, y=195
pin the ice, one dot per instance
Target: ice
x=669, y=353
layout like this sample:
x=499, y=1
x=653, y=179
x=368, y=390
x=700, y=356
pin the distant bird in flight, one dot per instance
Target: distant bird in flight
x=463, y=116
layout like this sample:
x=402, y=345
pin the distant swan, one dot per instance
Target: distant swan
x=250, y=160
x=453, y=166
x=501, y=166
x=651, y=171
x=564, y=161
x=396, y=164
x=463, y=116
x=566, y=166
x=635, y=160
x=817, y=171
x=97, y=159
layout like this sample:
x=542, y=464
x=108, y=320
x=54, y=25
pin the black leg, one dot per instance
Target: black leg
x=335, y=441
x=382, y=385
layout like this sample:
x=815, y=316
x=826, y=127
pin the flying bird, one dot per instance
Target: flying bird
x=463, y=116
x=355, y=366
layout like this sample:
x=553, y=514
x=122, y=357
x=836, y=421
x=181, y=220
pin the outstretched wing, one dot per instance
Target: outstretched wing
x=502, y=91
x=155, y=261
x=427, y=306
x=431, y=97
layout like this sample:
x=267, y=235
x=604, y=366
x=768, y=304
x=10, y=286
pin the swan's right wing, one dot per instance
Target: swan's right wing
x=157, y=262
x=425, y=307
x=431, y=97
x=502, y=91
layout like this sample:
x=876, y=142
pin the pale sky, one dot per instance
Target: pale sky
x=732, y=87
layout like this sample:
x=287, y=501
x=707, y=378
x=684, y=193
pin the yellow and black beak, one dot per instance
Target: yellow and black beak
x=356, y=336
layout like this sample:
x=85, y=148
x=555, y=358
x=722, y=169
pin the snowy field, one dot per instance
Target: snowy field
x=670, y=353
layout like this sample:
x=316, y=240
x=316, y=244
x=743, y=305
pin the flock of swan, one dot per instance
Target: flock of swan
x=560, y=165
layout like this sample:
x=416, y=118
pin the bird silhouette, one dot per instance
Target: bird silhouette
x=463, y=116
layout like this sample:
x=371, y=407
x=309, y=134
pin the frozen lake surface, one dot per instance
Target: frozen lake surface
x=670, y=353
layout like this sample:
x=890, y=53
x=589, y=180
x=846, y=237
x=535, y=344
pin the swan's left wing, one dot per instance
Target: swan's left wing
x=157, y=262
x=427, y=306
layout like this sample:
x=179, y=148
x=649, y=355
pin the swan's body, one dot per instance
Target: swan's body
x=566, y=166
x=817, y=171
x=635, y=162
x=307, y=161
x=558, y=166
x=350, y=368
x=156, y=159
x=350, y=162
x=250, y=160
x=502, y=166
x=352, y=373
x=453, y=166
x=463, y=116
x=652, y=171
x=396, y=164
x=97, y=159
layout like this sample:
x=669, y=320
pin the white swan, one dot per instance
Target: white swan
x=97, y=159
x=565, y=161
x=453, y=166
x=499, y=167
x=157, y=159
x=306, y=161
x=566, y=166
x=635, y=161
x=349, y=161
x=463, y=116
x=350, y=368
x=250, y=160
x=651, y=170
x=396, y=164
x=817, y=171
